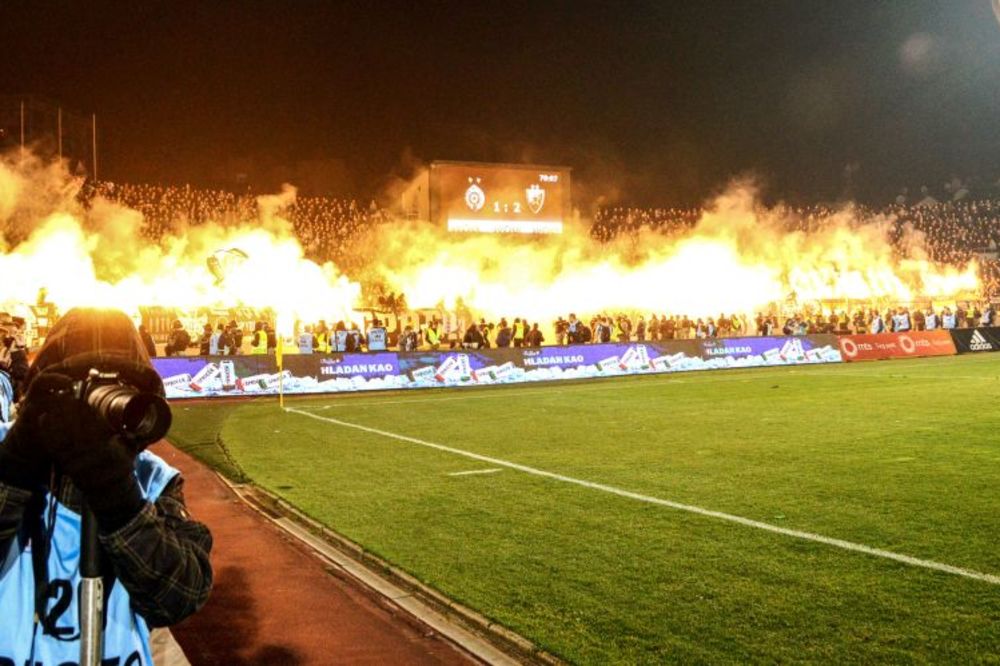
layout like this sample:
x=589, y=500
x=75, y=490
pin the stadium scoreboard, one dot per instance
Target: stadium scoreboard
x=474, y=197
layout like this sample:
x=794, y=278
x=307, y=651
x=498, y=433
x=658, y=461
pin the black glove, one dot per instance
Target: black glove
x=102, y=466
x=24, y=461
x=82, y=446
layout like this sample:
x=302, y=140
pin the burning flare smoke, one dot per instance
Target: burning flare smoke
x=98, y=257
x=739, y=258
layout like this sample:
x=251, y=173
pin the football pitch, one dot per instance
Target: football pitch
x=835, y=513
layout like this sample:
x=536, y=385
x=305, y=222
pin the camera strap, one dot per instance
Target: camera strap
x=41, y=539
x=41, y=525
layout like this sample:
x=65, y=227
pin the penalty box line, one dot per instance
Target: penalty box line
x=690, y=508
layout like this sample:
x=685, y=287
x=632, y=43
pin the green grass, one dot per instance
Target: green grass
x=898, y=455
x=198, y=431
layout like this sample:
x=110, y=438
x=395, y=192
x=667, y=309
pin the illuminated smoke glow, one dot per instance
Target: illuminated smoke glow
x=740, y=258
x=98, y=257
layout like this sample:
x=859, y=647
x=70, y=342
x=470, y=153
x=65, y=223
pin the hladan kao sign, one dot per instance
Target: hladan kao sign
x=228, y=376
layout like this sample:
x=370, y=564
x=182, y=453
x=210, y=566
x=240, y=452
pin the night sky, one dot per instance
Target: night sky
x=660, y=102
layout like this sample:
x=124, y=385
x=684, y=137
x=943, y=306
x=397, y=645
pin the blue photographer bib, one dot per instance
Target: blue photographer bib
x=126, y=636
x=306, y=343
x=6, y=399
x=340, y=341
x=377, y=339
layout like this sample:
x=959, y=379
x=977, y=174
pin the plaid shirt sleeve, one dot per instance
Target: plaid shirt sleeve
x=162, y=558
x=13, y=501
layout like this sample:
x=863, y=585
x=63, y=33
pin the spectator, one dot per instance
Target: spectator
x=179, y=340
x=534, y=337
x=205, y=341
x=519, y=331
x=408, y=341
x=561, y=327
x=433, y=335
x=214, y=348
x=504, y=334
x=473, y=338
x=147, y=341
x=226, y=343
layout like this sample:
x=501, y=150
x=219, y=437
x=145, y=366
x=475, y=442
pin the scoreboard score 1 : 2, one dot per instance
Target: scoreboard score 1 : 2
x=499, y=198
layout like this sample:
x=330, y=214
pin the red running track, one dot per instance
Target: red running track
x=273, y=603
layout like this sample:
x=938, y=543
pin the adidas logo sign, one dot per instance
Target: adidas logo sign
x=979, y=343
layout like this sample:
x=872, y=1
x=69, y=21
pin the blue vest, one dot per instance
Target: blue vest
x=948, y=321
x=6, y=397
x=377, y=339
x=126, y=636
x=305, y=343
x=340, y=341
x=213, y=344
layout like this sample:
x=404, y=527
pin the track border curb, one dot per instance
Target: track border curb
x=470, y=631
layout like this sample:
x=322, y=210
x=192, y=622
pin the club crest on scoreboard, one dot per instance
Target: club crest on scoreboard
x=536, y=198
x=475, y=198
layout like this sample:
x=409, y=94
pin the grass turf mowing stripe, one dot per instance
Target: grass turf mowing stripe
x=744, y=375
x=992, y=579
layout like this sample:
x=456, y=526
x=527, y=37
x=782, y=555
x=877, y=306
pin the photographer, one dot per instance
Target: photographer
x=473, y=338
x=408, y=341
x=14, y=351
x=147, y=341
x=59, y=454
x=178, y=341
x=562, y=330
x=573, y=329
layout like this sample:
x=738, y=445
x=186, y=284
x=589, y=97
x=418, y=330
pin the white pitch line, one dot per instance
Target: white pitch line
x=993, y=579
x=492, y=470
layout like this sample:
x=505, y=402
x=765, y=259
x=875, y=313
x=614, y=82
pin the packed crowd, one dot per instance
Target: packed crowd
x=324, y=226
x=164, y=209
x=612, y=221
x=413, y=332
x=624, y=328
x=949, y=232
x=952, y=232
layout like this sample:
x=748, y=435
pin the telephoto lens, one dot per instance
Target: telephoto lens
x=144, y=417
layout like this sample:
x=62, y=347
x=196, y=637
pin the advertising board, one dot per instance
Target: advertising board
x=912, y=344
x=201, y=377
x=970, y=340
